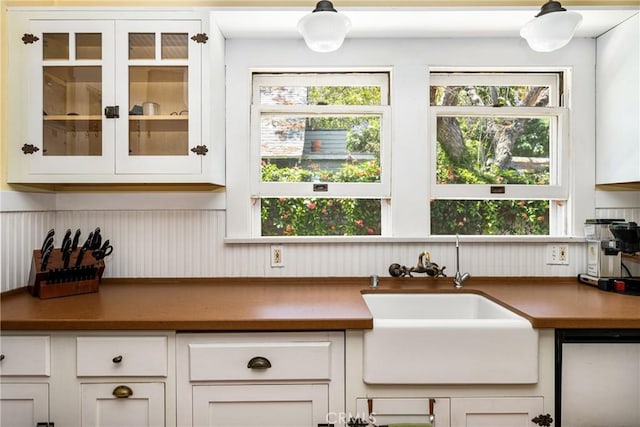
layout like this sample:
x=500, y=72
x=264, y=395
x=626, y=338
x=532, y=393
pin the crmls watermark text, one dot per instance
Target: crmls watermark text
x=344, y=418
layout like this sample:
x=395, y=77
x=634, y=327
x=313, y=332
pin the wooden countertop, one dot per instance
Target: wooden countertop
x=290, y=304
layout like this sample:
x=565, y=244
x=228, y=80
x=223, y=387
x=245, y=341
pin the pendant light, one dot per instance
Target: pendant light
x=324, y=29
x=552, y=28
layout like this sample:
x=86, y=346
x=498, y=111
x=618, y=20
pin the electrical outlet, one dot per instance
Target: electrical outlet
x=277, y=256
x=558, y=254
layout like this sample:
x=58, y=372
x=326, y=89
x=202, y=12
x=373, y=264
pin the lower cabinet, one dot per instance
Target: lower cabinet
x=497, y=412
x=305, y=405
x=25, y=371
x=260, y=379
x=87, y=379
x=24, y=404
x=123, y=404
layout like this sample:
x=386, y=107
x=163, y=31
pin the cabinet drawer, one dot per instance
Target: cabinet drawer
x=260, y=361
x=25, y=355
x=122, y=356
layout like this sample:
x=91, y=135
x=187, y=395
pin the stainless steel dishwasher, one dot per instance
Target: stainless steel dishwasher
x=597, y=378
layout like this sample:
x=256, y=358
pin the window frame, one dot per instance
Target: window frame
x=355, y=190
x=558, y=190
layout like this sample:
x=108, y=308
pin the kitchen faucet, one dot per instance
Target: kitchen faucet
x=459, y=278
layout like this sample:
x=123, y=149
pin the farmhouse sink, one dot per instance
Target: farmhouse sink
x=440, y=338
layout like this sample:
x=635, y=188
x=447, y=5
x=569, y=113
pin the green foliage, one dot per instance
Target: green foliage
x=488, y=217
x=363, y=132
x=344, y=95
x=320, y=216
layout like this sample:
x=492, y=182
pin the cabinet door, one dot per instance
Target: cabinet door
x=495, y=412
x=24, y=405
x=142, y=405
x=158, y=89
x=261, y=405
x=71, y=78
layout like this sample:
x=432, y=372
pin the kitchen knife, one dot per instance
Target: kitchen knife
x=66, y=245
x=66, y=238
x=66, y=256
x=83, y=249
x=97, y=239
x=48, y=237
x=45, y=258
x=48, y=244
x=76, y=238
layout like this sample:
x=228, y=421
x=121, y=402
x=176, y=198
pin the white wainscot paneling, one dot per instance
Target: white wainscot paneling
x=190, y=243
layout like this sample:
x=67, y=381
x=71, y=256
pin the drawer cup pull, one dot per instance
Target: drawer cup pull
x=122, y=392
x=117, y=359
x=259, y=362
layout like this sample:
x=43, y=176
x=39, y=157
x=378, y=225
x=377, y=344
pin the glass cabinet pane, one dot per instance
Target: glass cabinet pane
x=55, y=46
x=72, y=104
x=142, y=46
x=88, y=46
x=175, y=46
x=158, y=111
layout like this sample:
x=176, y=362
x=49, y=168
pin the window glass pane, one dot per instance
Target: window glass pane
x=88, y=46
x=55, y=46
x=493, y=150
x=490, y=96
x=320, y=217
x=490, y=217
x=320, y=95
x=142, y=46
x=174, y=46
x=320, y=148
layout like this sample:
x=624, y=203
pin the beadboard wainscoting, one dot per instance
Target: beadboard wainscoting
x=190, y=243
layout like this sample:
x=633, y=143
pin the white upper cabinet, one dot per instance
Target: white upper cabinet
x=618, y=104
x=114, y=100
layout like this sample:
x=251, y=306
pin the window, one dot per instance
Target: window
x=320, y=153
x=498, y=153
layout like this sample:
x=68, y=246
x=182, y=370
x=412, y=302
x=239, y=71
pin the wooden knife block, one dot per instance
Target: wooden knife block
x=39, y=285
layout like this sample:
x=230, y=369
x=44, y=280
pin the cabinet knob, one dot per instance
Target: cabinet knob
x=1, y=357
x=259, y=362
x=117, y=359
x=122, y=392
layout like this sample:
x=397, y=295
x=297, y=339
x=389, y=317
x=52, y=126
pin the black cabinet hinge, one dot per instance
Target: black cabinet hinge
x=200, y=38
x=543, y=420
x=29, y=149
x=29, y=38
x=200, y=150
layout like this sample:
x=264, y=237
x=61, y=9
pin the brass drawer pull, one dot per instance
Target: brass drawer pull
x=117, y=359
x=259, y=362
x=122, y=392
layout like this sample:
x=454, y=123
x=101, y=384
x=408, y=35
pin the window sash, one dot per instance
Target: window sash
x=380, y=79
x=550, y=80
x=381, y=189
x=558, y=189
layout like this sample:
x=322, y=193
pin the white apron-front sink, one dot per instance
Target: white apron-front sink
x=436, y=338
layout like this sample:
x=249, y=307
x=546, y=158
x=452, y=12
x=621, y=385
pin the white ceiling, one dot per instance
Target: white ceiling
x=406, y=22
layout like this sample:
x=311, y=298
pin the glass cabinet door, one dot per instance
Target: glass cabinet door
x=161, y=97
x=73, y=78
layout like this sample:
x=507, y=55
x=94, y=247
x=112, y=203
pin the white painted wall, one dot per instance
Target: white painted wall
x=183, y=234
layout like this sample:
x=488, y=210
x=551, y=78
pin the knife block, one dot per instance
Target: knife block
x=68, y=281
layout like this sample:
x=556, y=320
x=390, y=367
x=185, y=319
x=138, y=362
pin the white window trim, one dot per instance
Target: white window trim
x=558, y=192
x=357, y=190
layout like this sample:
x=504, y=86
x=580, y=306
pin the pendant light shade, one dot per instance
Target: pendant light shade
x=324, y=29
x=552, y=28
